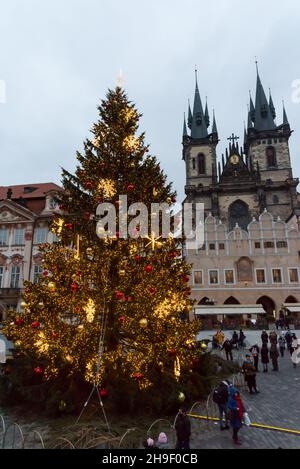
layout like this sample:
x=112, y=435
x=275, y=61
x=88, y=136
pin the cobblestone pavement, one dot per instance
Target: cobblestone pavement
x=278, y=404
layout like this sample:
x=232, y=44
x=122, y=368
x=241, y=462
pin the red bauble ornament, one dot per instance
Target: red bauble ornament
x=38, y=370
x=130, y=187
x=152, y=290
x=103, y=393
x=87, y=216
x=174, y=200
x=74, y=287
x=149, y=269
x=172, y=352
x=54, y=334
x=18, y=322
x=122, y=319
x=120, y=295
x=172, y=255
x=61, y=207
x=188, y=291
x=45, y=273
x=102, y=165
x=88, y=185
x=137, y=258
x=77, y=309
x=69, y=226
x=35, y=325
x=137, y=375
x=186, y=279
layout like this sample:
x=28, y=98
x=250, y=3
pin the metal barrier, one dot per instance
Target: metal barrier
x=14, y=426
x=62, y=440
x=125, y=434
x=36, y=437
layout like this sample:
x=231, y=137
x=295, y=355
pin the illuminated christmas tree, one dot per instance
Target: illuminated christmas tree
x=125, y=300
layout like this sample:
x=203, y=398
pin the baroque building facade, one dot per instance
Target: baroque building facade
x=249, y=264
x=25, y=212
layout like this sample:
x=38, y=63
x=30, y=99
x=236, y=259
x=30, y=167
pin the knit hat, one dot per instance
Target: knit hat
x=150, y=442
x=162, y=438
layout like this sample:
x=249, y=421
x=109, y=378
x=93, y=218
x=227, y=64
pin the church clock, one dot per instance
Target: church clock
x=234, y=159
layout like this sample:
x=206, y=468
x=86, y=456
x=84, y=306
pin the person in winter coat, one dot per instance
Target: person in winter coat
x=242, y=337
x=265, y=356
x=289, y=340
x=250, y=374
x=235, y=339
x=235, y=410
x=254, y=350
x=162, y=442
x=282, y=342
x=274, y=356
x=183, y=430
x=294, y=346
x=227, y=346
x=273, y=338
x=220, y=397
x=264, y=337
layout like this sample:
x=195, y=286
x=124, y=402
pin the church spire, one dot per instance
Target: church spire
x=214, y=126
x=190, y=117
x=263, y=115
x=199, y=128
x=252, y=109
x=285, y=119
x=271, y=106
x=207, y=115
x=185, y=133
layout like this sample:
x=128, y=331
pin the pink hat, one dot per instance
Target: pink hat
x=162, y=438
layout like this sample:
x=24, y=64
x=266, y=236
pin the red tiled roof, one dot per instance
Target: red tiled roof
x=29, y=191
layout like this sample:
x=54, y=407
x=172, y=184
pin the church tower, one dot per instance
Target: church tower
x=199, y=154
x=267, y=148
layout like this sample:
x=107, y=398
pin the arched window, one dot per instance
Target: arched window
x=271, y=157
x=201, y=163
x=275, y=199
x=231, y=301
x=239, y=214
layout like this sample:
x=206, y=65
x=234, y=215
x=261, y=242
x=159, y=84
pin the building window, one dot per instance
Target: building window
x=52, y=204
x=244, y=270
x=275, y=199
x=281, y=244
x=3, y=236
x=277, y=275
x=194, y=163
x=293, y=275
x=1, y=276
x=268, y=244
x=19, y=236
x=229, y=277
x=257, y=245
x=40, y=235
x=260, y=276
x=212, y=246
x=258, y=142
x=213, y=277
x=239, y=214
x=201, y=163
x=221, y=246
x=15, y=277
x=38, y=270
x=269, y=141
x=275, y=140
x=198, y=277
x=271, y=157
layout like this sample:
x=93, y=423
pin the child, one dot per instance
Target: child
x=162, y=442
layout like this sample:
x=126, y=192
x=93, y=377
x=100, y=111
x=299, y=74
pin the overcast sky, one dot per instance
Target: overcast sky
x=58, y=58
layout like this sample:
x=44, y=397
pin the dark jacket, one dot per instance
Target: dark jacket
x=227, y=345
x=264, y=337
x=264, y=355
x=273, y=338
x=273, y=351
x=183, y=427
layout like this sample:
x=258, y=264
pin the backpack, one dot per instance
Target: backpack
x=220, y=394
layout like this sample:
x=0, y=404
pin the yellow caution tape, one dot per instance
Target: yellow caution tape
x=254, y=425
